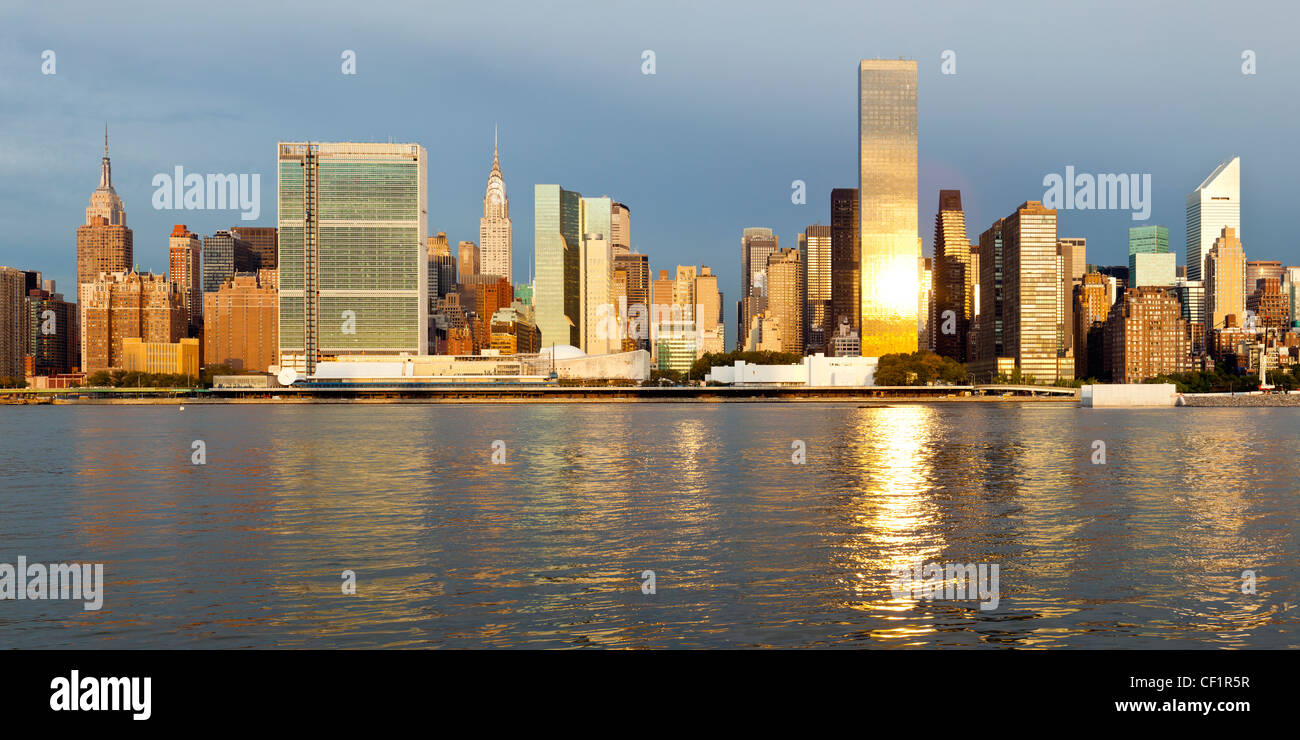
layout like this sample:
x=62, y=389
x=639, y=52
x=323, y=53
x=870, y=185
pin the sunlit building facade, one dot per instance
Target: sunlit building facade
x=785, y=297
x=1225, y=281
x=557, y=231
x=887, y=205
x=1212, y=207
x=495, y=232
x=353, y=270
x=1033, y=318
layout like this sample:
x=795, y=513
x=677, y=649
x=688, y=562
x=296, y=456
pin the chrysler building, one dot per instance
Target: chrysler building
x=496, y=245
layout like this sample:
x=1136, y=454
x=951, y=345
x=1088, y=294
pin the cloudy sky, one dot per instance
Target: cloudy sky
x=747, y=97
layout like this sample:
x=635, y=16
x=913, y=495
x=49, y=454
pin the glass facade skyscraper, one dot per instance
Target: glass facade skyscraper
x=557, y=251
x=1215, y=204
x=597, y=277
x=887, y=197
x=1147, y=260
x=352, y=230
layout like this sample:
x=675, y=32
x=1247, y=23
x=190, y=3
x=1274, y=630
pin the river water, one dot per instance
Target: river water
x=534, y=525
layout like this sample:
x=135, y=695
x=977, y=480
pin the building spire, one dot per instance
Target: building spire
x=105, y=169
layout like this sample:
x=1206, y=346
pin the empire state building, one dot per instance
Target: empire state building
x=494, y=230
x=104, y=242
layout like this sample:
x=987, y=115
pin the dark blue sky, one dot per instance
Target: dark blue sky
x=747, y=97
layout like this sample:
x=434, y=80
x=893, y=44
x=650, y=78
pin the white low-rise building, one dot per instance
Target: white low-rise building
x=815, y=371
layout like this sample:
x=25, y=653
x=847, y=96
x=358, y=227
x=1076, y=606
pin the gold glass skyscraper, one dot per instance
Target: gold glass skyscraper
x=887, y=198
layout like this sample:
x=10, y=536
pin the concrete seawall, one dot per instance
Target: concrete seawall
x=1241, y=400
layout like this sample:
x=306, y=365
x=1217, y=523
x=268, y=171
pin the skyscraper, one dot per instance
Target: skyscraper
x=1225, y=281
x=184, y=250
x=1271, y=307
x=846, y=263
x=710, y=326
x=887, y=182
x=225, y=254
x=469, y=259
x=620, y=227
x=442, y=269
x=818, y=325
x=990, y=348
x=13, y=322
x=104, y=202
x=1078, y=248
x=1214, y=205
x=952, y=278
x=1149, y=260
x=1092, y=302
x=785, y=297
x=353, y=272
x=53, y=338
x=1146, y=336
x=495, y=233
x=1259, y=269
x=599, y=315
x=263, y=240
x=126, y=305
x=1033, y=319
x=925, y=303
x=104, y=243
x=756, y=244
x=636, y=269
x=240, y=325
x=557, y=224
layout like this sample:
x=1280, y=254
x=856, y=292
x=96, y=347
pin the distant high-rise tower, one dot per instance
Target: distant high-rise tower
x=986, y=360
x=470, y=258
x=557, y=225
x=1225, y=281
x=1149, y=260
x=598, y=311
x=442, y=269
x=1092, y=301
x=620, y=228
x=846, y=267
x=353, y=270
x=1033, y=318
x=756, y=244
x=14, y=324
x=225, y=254
x=184, y=250
x=887, y=182
x=818, y=322
x=636, y=291
x=104, y=243
x=104, y=202
x=264, y=242
x=953, y=281
x=785, y=297
x=1214, y=205
x=495, y=233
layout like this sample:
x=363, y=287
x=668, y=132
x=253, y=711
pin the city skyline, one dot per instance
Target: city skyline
x=673, y=225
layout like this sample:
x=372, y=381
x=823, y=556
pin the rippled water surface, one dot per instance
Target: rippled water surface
x=748, y=548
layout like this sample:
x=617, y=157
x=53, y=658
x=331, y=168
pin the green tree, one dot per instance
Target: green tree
x=919, y=368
